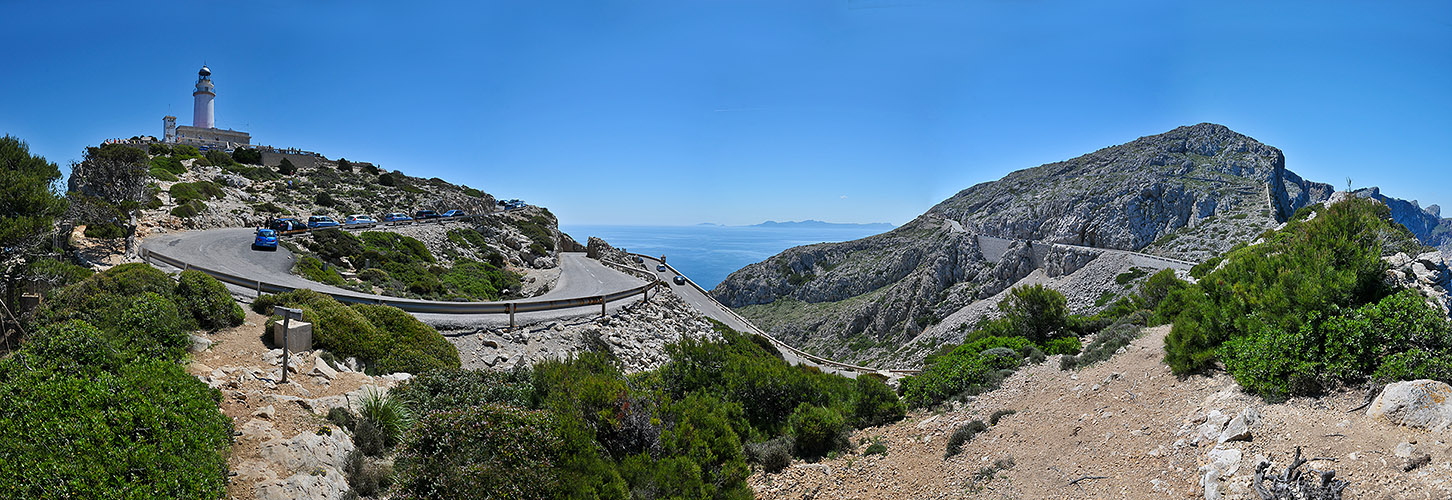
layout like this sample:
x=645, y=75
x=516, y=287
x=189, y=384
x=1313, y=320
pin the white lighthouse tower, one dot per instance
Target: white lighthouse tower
x=202, y=98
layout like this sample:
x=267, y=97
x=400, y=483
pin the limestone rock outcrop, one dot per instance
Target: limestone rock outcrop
x=1425, y=404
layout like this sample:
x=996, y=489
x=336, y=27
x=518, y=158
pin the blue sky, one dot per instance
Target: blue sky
x=735, y=112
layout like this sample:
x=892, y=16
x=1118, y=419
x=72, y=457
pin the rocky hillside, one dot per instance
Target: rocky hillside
x=1189, y=193
x=1427, y=223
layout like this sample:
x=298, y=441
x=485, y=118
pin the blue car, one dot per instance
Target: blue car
x=396, y=217
x=454, y=213
x=266, y=239
x=321, y=221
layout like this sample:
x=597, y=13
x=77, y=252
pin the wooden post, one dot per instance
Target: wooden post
x=287, y=315
x=511, y=315
x=602, y=306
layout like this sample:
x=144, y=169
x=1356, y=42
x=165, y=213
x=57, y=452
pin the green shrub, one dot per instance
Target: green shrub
x=451, y=388
x=68, y=397
x=200, y=190
x=1063, y=345
x=817, y=430
x=311, y=268
x=774, y=455
x=468, y=191
x=208, y=300
x=107, y=230
x=384, y=338
x=189, y=209
x=285, y=167
x=387, y=179
x=158, y=149
x=152, y=326
x=967, y=369
x=875, y=403
x=1036, y=312
x=168, y=164
x=323, y=199
x=1291, y=315
x=876, y=448
x=489, y=451
x=387, y=414
x=997, y=415
x=1158, y=287
x=1102, y=347
x=369, y=438
x=185, y=150
x=219, y=158
x=365, y=478
x=342, y=417
x=1132, y=274
x=961, y=436
x=1202, y=269
x=247, y=155
x=162, y=174
x=56, y=272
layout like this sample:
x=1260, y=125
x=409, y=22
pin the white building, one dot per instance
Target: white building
x=203, y=133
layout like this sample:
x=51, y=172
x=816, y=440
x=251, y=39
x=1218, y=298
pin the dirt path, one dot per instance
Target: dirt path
x=237, y=362
x=1127, y=419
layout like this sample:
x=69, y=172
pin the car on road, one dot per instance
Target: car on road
x=425, y=214
x=454, y=213
x=680, y=280
x=265, y=239
x=639, y=260
x=396, y=217
x=286, y=225
x=660, y=267
x=360, y=219
x=321, y=221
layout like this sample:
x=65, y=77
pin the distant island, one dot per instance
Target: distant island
x=809, y=223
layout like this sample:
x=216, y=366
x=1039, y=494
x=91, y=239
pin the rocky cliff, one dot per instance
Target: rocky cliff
x=1190, y=193
x=1427, y=223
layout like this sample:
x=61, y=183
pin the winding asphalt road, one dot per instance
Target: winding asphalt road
x=229, y=250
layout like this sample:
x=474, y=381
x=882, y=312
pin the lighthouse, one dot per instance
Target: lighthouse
x=202, y=100
x=203, y=133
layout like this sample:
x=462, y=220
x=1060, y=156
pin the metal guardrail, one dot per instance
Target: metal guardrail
x=781, y=345
x=410, y=305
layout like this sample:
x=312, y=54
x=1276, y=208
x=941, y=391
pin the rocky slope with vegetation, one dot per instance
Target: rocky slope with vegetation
x=1189, y=193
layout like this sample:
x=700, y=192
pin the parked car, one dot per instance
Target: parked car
x=680, y=280
x=639, y=260
x=396, y=217
x=454, y=213
x=425, y=214
x=286, y=225
x=360, y=219
x=321, y=221
x=265, y=239
x=660, y=267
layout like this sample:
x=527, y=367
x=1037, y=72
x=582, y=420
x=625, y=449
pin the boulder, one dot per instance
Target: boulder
x=309, y=451
x=1239, y=427
x=321, y=369
x=1418, y=403
x=199, y=343
x=544, y=263
x=1214, y=423
x=266, y=412
x=327, y=484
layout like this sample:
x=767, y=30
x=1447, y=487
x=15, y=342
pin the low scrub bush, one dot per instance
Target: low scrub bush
x=200, y=190
x=247, y=155
x=967, y=369
x=311, y=268
x=1102, y=347
x=208, y=301
x=451, y=388
x=384, y=338
x=489, y=451
x=162, y=174
x=817, y=430
x=73, y=391
x=1063, y=345
x=961, y=436
x=387, y=414
x=876, y=448
x=219, y=158
x=189, y=208
x=874, y=403
x=106, y=230
x=774, y=455
x=1305, y=310
x=994, y=418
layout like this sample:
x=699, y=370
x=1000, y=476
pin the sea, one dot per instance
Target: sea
x=708, y=253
